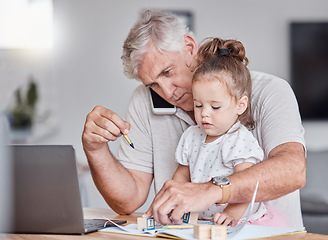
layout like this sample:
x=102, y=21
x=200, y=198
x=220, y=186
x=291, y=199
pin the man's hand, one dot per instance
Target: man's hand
x=116, y=184
x=176, y=198
x=101, y=126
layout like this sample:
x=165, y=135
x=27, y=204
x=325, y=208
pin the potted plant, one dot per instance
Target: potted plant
x=22, y=115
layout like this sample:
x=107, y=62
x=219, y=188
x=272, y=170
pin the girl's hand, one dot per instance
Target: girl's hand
x=225, y=218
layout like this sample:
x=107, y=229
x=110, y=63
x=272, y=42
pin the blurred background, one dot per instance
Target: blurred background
x=59, y=59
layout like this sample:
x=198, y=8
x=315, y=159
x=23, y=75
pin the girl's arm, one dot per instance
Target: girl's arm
x=233, y=212
x=182, y=174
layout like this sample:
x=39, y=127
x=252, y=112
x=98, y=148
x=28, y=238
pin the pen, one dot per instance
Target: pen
x=128, y=140
x=178, y=226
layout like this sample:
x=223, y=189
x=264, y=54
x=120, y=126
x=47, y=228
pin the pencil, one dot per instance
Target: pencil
x=178, y=226
x=128, y=140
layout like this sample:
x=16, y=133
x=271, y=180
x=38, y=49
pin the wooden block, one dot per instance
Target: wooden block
x=145, y=224
x=218, y=232
x=190, y=218
x=202, y=231
x=207, y=231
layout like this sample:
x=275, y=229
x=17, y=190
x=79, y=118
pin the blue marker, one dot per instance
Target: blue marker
x=128, y=140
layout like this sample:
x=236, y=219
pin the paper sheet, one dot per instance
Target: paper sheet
x=241, y=231
x=248, y=232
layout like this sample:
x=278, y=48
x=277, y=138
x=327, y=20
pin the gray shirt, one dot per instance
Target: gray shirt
x=156, y=137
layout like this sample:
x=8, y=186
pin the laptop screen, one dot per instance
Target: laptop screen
x=47, y=196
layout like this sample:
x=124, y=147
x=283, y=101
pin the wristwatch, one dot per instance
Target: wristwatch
x=225, y=184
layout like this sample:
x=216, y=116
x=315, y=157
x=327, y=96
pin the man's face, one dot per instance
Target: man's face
x=169, y=74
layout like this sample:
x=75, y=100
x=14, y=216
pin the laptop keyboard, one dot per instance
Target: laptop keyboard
x=94, y=224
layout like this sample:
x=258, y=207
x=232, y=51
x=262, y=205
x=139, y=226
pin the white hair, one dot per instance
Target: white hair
x=162, y=28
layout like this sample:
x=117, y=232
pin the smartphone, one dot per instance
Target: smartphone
x=159, y=106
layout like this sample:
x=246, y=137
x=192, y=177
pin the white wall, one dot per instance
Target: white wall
x=89, y=34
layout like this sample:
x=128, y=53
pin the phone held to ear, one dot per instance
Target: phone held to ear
x=159, y=106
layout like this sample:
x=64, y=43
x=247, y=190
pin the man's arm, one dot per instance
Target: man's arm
x=101, y=126
x=282, y=173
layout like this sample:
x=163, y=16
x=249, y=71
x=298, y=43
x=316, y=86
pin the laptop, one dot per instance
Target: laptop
x=47, y=195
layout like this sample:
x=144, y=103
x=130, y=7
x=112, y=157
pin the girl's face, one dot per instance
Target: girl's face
x=215, y=109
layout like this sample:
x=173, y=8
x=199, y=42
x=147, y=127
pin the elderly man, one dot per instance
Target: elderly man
x=160, y=52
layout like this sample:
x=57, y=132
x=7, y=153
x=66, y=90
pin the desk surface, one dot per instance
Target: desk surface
x=99, y=213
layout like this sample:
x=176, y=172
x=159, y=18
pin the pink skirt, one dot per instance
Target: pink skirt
x=272, y=218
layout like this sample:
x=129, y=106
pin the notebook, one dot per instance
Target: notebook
x=47, y=195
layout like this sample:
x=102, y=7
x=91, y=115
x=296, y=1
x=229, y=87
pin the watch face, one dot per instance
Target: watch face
x=221, y=180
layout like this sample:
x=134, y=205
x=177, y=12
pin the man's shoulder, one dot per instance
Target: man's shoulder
x=139, y=101
x=265, y=79
x=140, y=96
x=264, y=84
x=141, y=91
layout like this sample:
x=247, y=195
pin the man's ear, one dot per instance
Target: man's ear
x=190, y=45
x=242, y=105
x=191, y=49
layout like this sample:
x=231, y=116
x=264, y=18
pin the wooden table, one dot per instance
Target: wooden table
x=99, y=213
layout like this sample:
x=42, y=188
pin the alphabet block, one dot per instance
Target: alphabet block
x=218, y=232
x=202, y=231
x=145, y=224
x=206, y=231
x=190, y=218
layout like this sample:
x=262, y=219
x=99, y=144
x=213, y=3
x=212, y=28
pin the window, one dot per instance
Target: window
x=26, y=24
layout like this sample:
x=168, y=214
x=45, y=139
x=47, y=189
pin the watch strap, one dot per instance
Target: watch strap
x=225, y=194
